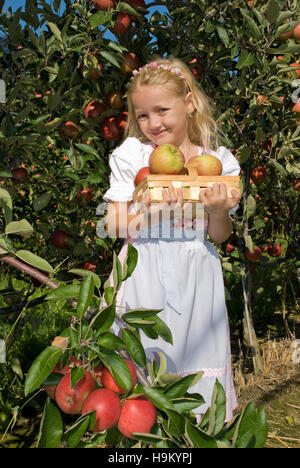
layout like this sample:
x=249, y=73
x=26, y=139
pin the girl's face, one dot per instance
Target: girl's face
x=161, y=115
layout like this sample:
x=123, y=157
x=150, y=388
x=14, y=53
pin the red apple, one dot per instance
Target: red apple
x=296, y=32
x=58, y=239
x=90, y=265
x=261, y=99
x=206, y=165
x=104, y=4
x=143, y=172
x=122, y=23
x=109, y=382
x=227, y=247
x=166, y=159
x=296, y=107
x=259, y=174
x=70, y=400
x=297, y=69
x=138, y=415
x=252, y=256
x=115, y=99
x=73, y=362
x=274, y=250
x=68, y=129
x=296, y=184
x=107, y=406
x=130, y=62
x=94, y=109
x=20, y=175
x=110, y=130
x=86, y=194
x=121, y=120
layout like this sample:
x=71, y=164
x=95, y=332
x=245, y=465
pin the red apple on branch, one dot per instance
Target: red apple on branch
x=104, y=5
x=296, y=32
x=86, y=194
x=20, y=175
x=252, y=256
x=94, y=109
x=58, y=239
x=110, y=130
x=66, y=369
x=130, y=63
x=70, y=400
x=138, y=415
x=107, y=406
x=68, y=129
x=166, y=159
x=122, y=23
x=115, y=99
x=259, y=174
x=274, y=250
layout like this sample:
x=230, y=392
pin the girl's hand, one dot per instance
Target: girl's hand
x=172, y=200
x=216, y=201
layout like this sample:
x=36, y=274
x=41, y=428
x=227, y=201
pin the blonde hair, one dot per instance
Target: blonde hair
x=202, y=128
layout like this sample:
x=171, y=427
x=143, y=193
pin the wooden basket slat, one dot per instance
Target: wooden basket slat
x=190, y=184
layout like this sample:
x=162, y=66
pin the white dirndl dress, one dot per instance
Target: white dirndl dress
x=180, y=273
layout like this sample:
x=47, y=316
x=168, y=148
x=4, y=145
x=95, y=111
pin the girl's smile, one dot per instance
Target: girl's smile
x=161, y=115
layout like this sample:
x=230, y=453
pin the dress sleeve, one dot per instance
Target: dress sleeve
x=230, y=166
x=125, y=161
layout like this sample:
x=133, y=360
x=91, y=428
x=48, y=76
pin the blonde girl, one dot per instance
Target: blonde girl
x=178, y=269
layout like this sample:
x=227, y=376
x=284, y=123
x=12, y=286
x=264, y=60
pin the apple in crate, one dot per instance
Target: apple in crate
x=166, y=159
x=206, y=165
x=142, y=173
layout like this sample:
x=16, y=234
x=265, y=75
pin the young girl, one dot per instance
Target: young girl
x=182, y=276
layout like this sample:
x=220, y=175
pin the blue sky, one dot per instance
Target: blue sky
x=15, y=4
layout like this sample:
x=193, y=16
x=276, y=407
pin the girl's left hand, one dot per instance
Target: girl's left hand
x=216, y=201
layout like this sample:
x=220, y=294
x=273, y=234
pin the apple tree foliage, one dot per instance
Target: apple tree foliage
x=49, y=61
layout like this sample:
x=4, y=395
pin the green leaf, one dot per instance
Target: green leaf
x=85, y=295
x=74, y=434
x=117, y=272
x=41, y=368
x=253, y=28
x=85, y=273
x=250, y=206
x=223, y=35
x=104, y=319
x=20, y=228
x=77, y=373
x=159, y=399
x=100, y=18
x=110, y=341
x=139, y=314
x=55, y=31
x=272, y=11
x=217, y=410
x=42, y=201
x=198, y=438
x=134, y=347
x=64, y=292
x=252, y=430
x=187, y=403
x=110, y=58
x=34, y=260
x=181, y=386
x=6, y=201
x=130, y=262
x=118, y=368
x=51, y=428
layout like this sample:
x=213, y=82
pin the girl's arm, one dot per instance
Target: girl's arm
x=217, y=205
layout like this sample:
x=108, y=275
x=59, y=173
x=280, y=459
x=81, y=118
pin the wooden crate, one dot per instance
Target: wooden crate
x=190, y=184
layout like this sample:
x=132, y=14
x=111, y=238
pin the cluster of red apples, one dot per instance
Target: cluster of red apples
x=98, y=391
